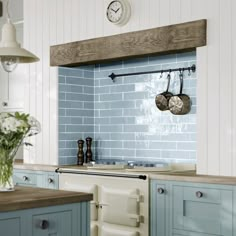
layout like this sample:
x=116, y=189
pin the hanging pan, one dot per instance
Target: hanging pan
x=180, y=104
x=162, y=100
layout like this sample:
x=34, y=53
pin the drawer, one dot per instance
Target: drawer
x=202, y=209
x=25, y=178
x=58, y=223
x=50, y=180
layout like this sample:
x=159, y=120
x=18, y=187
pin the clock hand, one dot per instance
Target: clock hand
x=113, y=10
x=117, y=10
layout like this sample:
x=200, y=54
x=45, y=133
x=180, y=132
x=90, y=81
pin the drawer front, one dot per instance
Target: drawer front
x=56, y=224
x=202, y=209
x=25, y=178
x=50, y=180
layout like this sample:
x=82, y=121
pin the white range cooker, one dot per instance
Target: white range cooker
x=120, y=205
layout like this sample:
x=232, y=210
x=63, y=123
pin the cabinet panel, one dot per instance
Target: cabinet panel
x=159, y=208
x=56, y=224
x=7, y=228
x=202, y=209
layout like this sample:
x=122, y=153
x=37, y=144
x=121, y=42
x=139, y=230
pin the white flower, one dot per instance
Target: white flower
x=10, y=124
x=35, y=127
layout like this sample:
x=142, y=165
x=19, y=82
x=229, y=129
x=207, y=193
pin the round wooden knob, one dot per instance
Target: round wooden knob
x=25, y=178
x=160, y=190
x=50, y=180
x=44, y=224
x=199, y=194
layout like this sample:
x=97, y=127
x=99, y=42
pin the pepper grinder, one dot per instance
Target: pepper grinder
x=89, y=154
x=80, y=154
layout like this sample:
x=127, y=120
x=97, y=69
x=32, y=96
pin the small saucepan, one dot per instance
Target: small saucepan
x=180, y=104
x=162, y=100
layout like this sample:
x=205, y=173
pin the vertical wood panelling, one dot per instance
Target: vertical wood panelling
x=199, y=12
x=186, y=10
x=225, y=94
x=233, y=78
x=67, y=21
x=38, y=77
x=99, y=6
x=144, y=20
x=164, y=12
x=45, y=81
x=91, y=32
x=52, y=141
x=32, y=77
x=135, y=17
x=154, y=19
x=82, y=24
x=60, y=21
x=213, y=100
x=80, y=19
x=74, y=20
x=175, y=11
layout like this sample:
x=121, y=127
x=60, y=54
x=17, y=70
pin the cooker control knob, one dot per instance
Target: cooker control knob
x=160, y=190
x=199, y=194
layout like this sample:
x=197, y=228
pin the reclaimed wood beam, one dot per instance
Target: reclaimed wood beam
x=161, y=40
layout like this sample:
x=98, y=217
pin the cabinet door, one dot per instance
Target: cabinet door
x=10, y=227
x=203, y=209
x=159, y=209
x=56, y=224
x=120, y=206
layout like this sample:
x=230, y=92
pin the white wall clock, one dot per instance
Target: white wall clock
x=118, y=12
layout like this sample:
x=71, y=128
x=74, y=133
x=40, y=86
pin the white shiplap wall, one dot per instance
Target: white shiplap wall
x=60, y=21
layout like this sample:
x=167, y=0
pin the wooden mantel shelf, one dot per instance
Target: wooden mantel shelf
x=162, y=40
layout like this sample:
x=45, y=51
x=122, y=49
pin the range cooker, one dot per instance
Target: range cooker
x=120, y=205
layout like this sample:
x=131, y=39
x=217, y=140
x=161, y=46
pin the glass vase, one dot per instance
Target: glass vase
x=6, y=170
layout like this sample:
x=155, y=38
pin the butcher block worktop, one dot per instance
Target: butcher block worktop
x=27, y=197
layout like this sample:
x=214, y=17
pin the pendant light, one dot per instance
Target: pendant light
x=11, y=52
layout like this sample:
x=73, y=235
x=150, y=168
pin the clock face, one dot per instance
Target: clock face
x=118, y=12
x=115, y=11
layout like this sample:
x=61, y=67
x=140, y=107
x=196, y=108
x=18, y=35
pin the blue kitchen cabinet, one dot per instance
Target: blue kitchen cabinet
x=191, y=209
x=201, y=208
x=64, y=220
x=159, y=211
x=41, y=179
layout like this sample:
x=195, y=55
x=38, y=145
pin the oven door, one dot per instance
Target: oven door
x=110, y=231
x=120, y=206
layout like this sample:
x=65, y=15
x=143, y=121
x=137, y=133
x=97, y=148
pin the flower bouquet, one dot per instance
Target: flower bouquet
x=13, y=129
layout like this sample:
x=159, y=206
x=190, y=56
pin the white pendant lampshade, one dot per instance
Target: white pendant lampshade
x=11, y=52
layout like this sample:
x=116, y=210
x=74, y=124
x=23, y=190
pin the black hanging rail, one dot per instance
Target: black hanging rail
x=190, y=69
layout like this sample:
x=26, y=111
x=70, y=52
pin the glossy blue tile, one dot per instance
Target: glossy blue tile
x=122, y=116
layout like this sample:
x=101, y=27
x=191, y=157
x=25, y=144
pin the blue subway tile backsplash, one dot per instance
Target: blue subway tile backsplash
x=121, y=116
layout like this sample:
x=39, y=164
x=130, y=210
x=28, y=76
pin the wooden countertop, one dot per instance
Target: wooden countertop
x=191, y=176
x=27, y=197
x=18, y=164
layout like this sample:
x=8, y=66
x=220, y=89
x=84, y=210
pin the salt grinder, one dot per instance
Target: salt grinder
x=80, y=154
x=89, y=154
